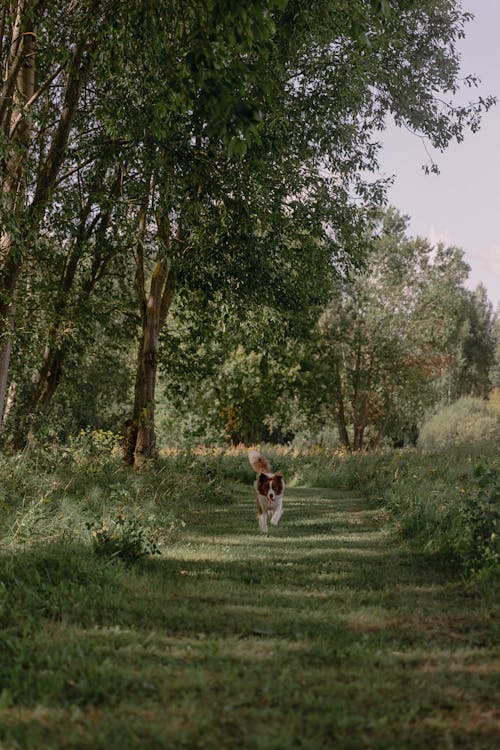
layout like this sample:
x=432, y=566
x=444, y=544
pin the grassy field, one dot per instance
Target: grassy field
x=327, y=633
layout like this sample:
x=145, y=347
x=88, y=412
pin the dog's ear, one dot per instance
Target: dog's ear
x=263, y=477
x=279, y=474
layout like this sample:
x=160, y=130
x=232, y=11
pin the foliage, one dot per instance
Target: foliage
x=467, y=421
x=331, y=622
x=239, y=136
x=472, y=370
x=93, y=446
x=231, y=379
x=483, y=518
x=384, y=352
x=122, y=538
x=386, y=336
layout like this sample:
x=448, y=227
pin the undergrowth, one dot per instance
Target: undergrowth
x=444, y=502
x=103, y=643
x=83, y=492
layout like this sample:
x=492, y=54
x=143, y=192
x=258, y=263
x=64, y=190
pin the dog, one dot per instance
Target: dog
x=269, y=490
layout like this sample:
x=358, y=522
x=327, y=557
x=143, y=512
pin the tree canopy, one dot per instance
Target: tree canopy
x=194, y=152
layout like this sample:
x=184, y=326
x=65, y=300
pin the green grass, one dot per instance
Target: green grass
x=326, y=633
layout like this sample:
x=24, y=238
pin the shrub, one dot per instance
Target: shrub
x=123, y=538
x=467, y=421
x=90, y=449
x=482, y=516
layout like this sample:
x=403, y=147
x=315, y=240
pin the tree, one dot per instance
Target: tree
x=232, y=377
x=42, y=52
x=334, y=83
x=260, y=117
x=475, y=356
x=388, y=334
x=80, y=251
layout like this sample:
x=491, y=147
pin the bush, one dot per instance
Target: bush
x=123, y=538
x=482, y=516
x=468, y=421
x=92, y=449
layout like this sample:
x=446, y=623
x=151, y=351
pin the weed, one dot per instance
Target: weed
x=483, y=520
x=123, y=538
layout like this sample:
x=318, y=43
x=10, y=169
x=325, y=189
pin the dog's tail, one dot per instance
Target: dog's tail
x=258, y=462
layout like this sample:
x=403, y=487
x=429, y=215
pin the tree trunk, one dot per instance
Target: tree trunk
x=141, y=436
x=18, y=88
x=342, y=428
x=374, y=442
x=58, y=345
x=359, y=432
x=141, y=442
x=341, y=418
x=41, y=395
x=361, y=384
x=360, y=420
x=7, y=323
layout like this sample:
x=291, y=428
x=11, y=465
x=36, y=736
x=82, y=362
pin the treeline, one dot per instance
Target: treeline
x=398, y=337
x=184, y=186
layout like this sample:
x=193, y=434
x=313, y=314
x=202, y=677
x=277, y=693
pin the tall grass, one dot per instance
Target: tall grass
x=444, y=502
x=78, y=492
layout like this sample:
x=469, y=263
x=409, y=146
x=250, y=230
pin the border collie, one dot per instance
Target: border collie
x=269, y=490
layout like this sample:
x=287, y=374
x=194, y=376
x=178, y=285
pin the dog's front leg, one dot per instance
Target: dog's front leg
x=277, y=515
x=262, y=517
x=263, y=522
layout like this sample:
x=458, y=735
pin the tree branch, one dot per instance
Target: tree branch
x=34, y=98
x=78, y=71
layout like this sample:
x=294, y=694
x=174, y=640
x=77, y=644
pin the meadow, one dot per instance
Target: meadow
x=145, y=610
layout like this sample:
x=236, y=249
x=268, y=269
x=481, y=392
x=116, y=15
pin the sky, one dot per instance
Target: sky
x=461, y=205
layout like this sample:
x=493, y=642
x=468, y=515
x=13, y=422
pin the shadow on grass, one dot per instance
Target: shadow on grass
x=323, y=633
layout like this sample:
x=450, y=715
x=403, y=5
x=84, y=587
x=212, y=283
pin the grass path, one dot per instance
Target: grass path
x=324, y=634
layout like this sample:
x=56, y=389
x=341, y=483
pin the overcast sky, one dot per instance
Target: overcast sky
x=461, y=205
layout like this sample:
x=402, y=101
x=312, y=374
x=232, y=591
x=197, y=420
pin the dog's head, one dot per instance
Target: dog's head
x=270, y=485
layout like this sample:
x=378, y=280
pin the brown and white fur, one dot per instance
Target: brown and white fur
x=269, y=490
